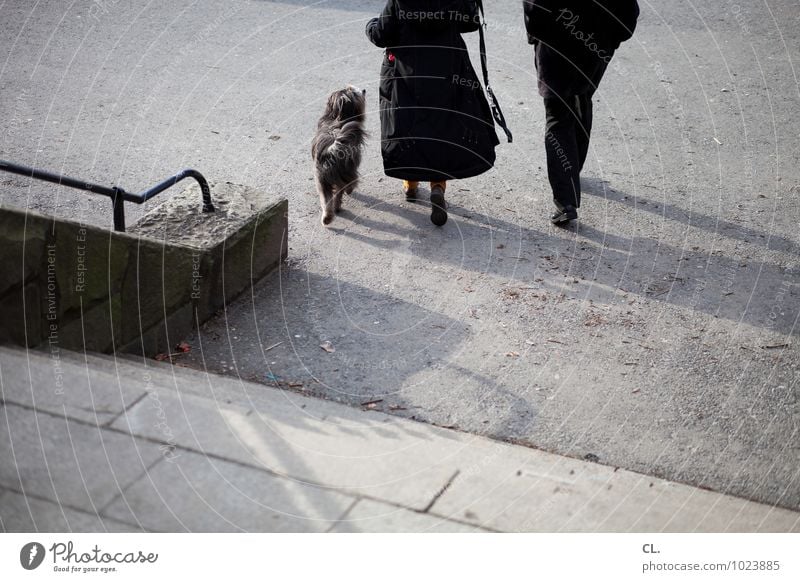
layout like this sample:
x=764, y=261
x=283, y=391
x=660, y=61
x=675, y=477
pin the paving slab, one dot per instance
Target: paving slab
x=194, y=493
x=308, y=440
x=68, y=462
x=513, y=489
x=63, y=383
x=368, y=516
x=20, y=513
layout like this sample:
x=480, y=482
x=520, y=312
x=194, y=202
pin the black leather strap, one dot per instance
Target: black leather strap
x=497, y=113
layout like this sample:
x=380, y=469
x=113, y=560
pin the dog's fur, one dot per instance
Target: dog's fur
x=336, y=149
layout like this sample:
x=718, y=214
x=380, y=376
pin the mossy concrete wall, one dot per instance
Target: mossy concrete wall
x=76, y=286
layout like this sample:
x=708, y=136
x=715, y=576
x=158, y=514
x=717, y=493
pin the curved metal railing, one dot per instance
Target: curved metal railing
x=118, y=195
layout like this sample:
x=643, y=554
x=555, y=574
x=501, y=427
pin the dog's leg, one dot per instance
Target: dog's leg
x=326, y=201
x=351, y=187
x=337, y=201
x=340, y=194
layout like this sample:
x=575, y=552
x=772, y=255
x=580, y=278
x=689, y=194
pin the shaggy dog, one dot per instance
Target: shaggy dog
x=336, y=149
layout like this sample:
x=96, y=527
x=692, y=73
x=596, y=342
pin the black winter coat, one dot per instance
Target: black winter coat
x=575, y=40
x=436, y=123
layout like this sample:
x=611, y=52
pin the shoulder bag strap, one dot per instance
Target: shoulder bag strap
x=497, y=113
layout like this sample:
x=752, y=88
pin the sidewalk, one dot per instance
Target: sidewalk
x=90, y=443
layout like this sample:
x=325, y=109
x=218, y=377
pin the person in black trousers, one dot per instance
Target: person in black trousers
x=574, y=42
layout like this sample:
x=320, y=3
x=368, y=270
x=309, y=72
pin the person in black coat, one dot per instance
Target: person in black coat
x=436, y=124
x=574, y=41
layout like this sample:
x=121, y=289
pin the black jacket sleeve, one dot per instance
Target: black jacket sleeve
x=611, y=22
x=538, y=20
x=383, y=31
x=626, y=19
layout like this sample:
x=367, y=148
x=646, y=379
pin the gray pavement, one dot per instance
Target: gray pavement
x=201, y=452
x=659, y=335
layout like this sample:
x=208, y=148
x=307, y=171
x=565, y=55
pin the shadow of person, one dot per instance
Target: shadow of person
x=715, y=225
x=383, y=348
x=755, y=292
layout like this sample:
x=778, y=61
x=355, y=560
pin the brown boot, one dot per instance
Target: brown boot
x=410, y=189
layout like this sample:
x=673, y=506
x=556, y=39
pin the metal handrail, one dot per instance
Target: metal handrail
x=118, y=195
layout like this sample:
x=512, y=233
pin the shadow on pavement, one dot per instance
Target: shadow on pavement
x=745, y=291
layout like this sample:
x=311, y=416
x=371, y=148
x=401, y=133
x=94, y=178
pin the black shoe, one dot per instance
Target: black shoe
x=563, y=216
x=438, y=207
x=411, y=195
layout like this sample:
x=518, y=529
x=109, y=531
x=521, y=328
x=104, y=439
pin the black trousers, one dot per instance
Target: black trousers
x=567, y=131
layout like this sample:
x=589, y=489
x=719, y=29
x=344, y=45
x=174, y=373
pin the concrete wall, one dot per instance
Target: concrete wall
x=81, y=287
